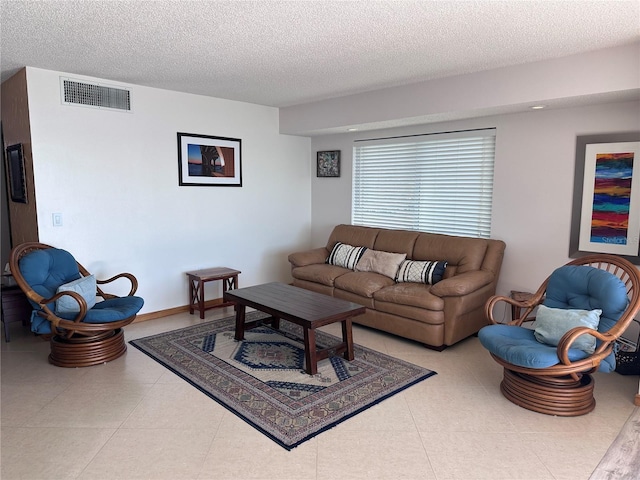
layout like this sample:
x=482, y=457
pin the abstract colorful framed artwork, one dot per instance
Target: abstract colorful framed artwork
x=606, y=203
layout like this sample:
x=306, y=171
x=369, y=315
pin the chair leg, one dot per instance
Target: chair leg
x=552, y=396
x=79, y=351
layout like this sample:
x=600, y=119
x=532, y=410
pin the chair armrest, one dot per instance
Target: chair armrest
x=53, y=318
x=527, y=306
x=462, y=284
x=602, y=350
x=132, y=279
x=308, y=257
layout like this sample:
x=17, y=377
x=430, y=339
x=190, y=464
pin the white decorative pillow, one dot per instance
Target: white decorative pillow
x=414, y=271
x=553, y=323
x=344, y=255
x=85, y=286
x=384, y=263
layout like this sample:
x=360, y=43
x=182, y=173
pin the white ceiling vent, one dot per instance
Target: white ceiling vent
x=75, y=92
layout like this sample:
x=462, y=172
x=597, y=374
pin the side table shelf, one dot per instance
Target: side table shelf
x=15, y=308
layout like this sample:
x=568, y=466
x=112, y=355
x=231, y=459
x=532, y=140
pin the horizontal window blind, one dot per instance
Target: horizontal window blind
x=441, y=183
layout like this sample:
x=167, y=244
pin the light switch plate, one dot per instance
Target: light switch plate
x=57, y=219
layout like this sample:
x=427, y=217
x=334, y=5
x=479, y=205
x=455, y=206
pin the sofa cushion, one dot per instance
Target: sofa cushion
x=344, y=255
x=466, y=254
x=320, y=273
x=414, y=271
x=384, y=263
x=364, y=284
x=400, y=241
x=422, y=315
x=413, y=294
x=353, y=235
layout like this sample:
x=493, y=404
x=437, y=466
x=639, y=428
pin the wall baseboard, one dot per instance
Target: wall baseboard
x=174, y=311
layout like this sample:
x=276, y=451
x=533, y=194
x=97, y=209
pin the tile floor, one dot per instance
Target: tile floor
x=133, y=419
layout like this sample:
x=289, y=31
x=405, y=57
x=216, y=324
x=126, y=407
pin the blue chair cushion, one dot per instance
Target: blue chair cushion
x=45, y=270
x=588, y=288
x=570, y=287
x=110, y=310
x=39, y=325
x=518, y=346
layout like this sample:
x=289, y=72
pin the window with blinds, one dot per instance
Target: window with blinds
x=437, y=183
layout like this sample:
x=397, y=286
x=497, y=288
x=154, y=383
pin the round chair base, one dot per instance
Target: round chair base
x=552, y=396
x=81, y=351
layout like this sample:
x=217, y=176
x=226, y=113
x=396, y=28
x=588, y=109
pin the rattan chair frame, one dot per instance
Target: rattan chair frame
x=75, y=343
x=566, y=389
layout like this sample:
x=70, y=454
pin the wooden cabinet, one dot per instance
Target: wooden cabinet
x=15, y=308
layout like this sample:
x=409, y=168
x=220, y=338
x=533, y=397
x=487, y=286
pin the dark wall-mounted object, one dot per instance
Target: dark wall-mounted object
x=328, y=163
x=15, y=171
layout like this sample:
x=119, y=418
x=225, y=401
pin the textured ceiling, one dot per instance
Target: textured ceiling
x=286, y=53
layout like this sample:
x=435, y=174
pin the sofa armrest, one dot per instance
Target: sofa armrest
x=308, y=257
x=462, y=284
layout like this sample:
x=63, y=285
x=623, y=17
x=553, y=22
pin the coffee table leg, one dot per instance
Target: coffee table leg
x=347, y=337
x=240, y=322
x=310, y=359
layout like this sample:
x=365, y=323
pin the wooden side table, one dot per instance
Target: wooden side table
x=518, y=297
x=198, y=278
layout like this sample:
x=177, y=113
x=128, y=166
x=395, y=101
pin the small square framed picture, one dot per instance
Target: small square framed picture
x=329, y=163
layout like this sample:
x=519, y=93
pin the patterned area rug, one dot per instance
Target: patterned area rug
x=261, y=379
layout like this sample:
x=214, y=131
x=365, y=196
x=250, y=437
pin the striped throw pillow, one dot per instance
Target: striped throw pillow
x=414, y=271
x=344, y=255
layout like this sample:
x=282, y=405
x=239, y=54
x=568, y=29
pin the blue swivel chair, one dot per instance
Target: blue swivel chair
x=580, y=312
x=84, y=323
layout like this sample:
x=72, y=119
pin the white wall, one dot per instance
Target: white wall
x=114, y=178
x=533, y=184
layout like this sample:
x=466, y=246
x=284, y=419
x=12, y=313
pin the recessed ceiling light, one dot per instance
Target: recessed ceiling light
x=538, y=107
x=352, y=129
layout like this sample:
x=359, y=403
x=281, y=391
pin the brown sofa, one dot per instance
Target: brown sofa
x=436, y=315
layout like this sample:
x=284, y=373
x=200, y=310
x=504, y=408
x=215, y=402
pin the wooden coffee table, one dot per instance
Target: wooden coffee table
x=308, y=309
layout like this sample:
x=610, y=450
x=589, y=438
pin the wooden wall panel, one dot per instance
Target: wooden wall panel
x=16, y=129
